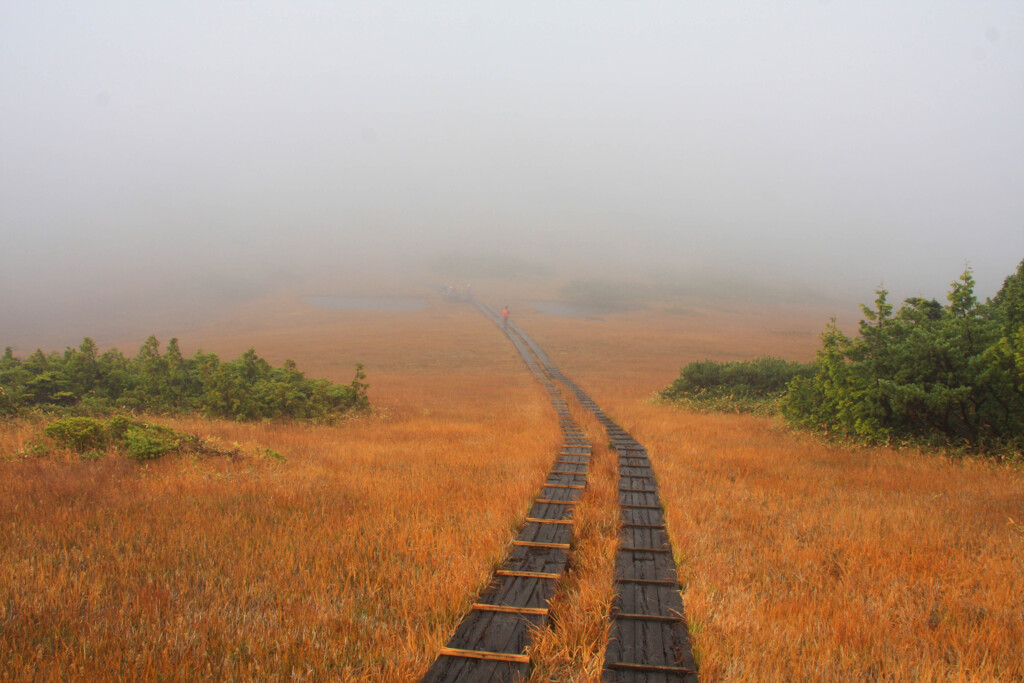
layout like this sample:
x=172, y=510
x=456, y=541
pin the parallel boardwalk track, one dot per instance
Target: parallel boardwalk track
x=648, y=640
x=489, y=644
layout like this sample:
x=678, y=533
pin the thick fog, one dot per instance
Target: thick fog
x=156, y=157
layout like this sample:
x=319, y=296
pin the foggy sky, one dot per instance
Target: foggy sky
x=842, y=145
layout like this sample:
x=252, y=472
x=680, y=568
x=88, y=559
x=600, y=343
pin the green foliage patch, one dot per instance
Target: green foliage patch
x=80, y=434
x=136, y=439
x=84, y=381
x=948, y=375
x=939, y=374
x=753, y=386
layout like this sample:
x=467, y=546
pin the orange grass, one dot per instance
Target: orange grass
x=801, y=560
x=353, y=559
x=357, y=557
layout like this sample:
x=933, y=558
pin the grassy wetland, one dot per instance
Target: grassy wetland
x=355, y=553
x=803, y=560
x=300, y=194
x=350, y=558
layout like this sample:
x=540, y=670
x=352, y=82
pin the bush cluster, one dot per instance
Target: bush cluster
x=753, y=386
x=944, y=374
x=91, y=438
x=137, y=439
x=949, y=375
x=84, y=381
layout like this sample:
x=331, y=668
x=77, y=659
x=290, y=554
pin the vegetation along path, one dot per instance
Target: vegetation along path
x=648, y=639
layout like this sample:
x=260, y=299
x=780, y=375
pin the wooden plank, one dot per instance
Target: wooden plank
x=648, y=582
x=641, y=526
x=532, y=544
x=549, y=521
x=529, y=575
x=646, y=617
x=545, y=501
x=653, y=668
x=642, y=507
x=565, y=486
x=642, y=517
x=483, y=654
x=484, y=607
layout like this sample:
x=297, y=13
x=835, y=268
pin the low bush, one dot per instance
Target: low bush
x=136, y=439
x=148, y=441
x=753, y=386
x=80, y=434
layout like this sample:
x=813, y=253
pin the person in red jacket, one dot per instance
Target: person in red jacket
x=504, y=317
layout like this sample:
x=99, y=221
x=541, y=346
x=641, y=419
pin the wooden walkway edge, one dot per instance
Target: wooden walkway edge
x=648, y=640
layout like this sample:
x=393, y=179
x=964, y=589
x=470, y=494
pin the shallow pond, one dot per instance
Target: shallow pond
x=368, y=303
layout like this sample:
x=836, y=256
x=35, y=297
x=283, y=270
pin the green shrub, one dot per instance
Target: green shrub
x=274, y=455
x=148, y=441
x=118, y=425
x=80, y=434
x=134, y=438
x=753, y=386
x=950, y=375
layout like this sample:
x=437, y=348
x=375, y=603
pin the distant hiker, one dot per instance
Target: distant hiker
x=504, y=317
x=469, y=293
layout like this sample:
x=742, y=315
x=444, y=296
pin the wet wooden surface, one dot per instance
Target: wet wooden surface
x=541, y=548
x=648, y=639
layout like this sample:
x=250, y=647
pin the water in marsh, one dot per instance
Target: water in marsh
x=368, y=303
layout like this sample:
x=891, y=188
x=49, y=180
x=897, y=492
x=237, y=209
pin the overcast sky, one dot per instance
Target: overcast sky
x=838, y=143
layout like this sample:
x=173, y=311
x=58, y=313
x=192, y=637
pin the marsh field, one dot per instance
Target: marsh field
x=355, y=556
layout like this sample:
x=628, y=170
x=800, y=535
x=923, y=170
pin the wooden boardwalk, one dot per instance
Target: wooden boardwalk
x=648, y=641
x=489, y=644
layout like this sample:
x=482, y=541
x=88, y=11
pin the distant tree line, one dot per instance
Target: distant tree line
x=930, y=373
x=85, y=381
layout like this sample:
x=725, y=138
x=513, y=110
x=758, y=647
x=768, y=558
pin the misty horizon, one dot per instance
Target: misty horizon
x=202, y=155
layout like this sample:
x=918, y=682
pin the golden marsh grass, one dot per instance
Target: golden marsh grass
x=356, y=558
